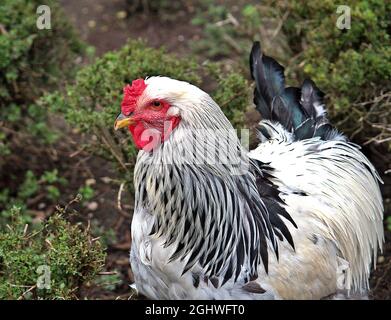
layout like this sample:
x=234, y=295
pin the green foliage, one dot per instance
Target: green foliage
x=208, y=20
x=388, y=223
x=72, y=257
x=29, y=186
x=47, y=184
x=229, y=31
x=93, y=102
x=231, y=95
x=107, y=235
x=30, y=58
x=108, y=282
x=86, y=192
x=352, y=66
x=32, y=62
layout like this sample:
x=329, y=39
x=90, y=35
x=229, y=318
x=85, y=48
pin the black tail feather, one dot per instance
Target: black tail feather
x=311, y=96
x=269, y=79
x=299, y=110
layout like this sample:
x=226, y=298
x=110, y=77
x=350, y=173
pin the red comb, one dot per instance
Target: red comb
x=131, y=94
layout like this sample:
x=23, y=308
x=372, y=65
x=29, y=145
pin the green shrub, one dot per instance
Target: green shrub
x=48, y=184
x=93, y=102
x=229, y=31
x=223, y=35
x=32, y=62
x=68, y=251
x=352, y=66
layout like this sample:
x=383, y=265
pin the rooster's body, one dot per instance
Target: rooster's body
x=299, y=217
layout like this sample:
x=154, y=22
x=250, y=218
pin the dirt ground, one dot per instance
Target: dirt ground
x=107, y=25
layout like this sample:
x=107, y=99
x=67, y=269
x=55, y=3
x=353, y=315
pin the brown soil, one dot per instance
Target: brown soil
x=107, y=25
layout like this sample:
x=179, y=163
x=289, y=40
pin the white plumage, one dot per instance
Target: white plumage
x=299, y=217
x=343, y=199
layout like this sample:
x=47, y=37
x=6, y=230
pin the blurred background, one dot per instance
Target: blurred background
x=66, y=195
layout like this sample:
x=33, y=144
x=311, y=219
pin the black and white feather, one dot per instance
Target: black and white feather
x=299, y=217
x=299, y=110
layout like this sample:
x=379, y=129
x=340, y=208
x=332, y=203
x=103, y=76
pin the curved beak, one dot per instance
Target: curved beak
x=123, y=121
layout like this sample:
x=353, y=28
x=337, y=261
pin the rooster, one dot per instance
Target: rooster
x=298, y=217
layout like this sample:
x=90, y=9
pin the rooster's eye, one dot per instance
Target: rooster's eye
x=156, y=105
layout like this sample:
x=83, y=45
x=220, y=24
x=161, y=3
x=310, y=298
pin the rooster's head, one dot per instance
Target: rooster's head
x=153, y=108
